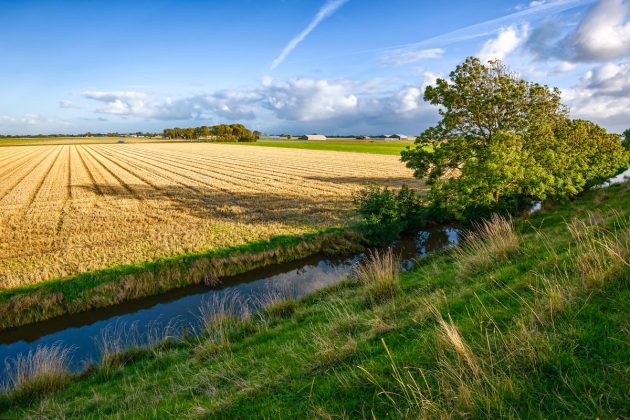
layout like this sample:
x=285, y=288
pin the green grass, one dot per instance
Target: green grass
x=379, y=147
x=540, y=332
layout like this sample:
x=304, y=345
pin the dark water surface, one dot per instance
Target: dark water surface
x=143, y=320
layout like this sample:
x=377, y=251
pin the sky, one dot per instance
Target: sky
x=293, y=66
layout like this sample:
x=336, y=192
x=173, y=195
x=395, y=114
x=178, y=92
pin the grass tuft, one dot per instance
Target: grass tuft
x=37, y=373
x=489, y=241
x=380, y=276
x=225, y=318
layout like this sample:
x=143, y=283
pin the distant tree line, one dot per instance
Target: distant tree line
x=221, y=132
x=88, y=134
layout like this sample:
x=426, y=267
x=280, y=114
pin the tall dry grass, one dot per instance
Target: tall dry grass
x=123, y=343
x=38, y=372
x=489, y=241
x=379, y=274
x=224, y=317
x=278, y=301
x=481, y=375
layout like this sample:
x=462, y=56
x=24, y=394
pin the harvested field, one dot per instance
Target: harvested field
x=68, y=209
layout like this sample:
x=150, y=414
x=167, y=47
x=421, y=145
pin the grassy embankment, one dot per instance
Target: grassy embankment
x=528, y=319
x=379, y=147
x=23, y=305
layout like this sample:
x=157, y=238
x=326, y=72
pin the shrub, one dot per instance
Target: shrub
x=386, y=213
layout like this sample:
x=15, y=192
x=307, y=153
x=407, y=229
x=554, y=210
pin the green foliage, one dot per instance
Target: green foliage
x=387, y=213
x=502, y=140
x=221, y=132
x=626, y=139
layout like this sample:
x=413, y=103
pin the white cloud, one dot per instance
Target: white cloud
x=330, y=7
x=565, y=67
x=28, y=119
x=506, y=41
x=227, y=104
x=405, y=56
x=490, y=27
x=602, y=35
x=307, y=103
x=31, y=124
x=532, y=4
x=308, y=99
x=603, y=95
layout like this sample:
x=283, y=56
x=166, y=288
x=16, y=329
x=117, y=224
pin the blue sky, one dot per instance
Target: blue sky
x=330, y=66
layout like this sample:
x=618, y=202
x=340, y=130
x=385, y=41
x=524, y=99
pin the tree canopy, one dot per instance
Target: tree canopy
x=221, y=132
x=502, y=139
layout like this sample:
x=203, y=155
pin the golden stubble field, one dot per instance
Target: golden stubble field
x=68, y=209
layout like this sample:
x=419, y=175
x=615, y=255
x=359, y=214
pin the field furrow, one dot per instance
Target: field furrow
x=68, y=209
x=19, y=173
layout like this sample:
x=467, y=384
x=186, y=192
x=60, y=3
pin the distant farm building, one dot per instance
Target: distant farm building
x=313, y=137
x=397, y=137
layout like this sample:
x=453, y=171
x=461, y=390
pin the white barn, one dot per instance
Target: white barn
x=313, y=137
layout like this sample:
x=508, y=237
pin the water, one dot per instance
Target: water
x=535, y=207
x=147, y=319
x=619, y=179
x=624, y=176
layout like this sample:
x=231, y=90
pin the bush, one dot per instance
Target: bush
x=386, y=214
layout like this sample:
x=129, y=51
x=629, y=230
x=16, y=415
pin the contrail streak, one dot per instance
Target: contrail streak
x=327, y=9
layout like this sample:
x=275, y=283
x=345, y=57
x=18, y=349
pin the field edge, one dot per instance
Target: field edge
x=102, y=288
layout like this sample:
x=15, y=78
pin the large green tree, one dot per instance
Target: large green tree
x=502, y=139
x=626, y=139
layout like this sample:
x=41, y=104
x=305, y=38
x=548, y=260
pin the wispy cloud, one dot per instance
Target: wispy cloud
x=492, y=26
x=330, y=7
x=406, y=56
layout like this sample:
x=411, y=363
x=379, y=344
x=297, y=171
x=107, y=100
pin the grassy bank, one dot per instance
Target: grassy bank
x=379, y=147
x=527, y=319
x=103, y=288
